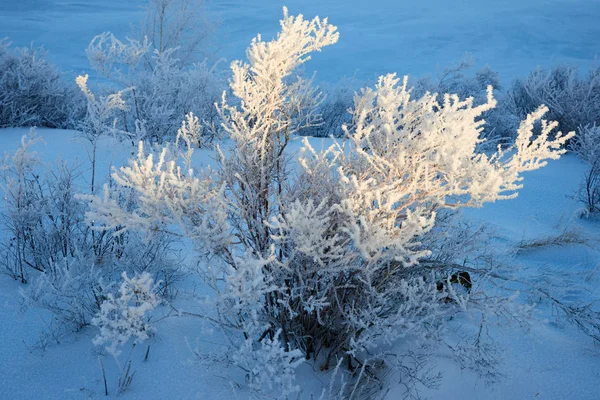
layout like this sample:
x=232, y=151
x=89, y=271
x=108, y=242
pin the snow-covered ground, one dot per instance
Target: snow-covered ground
x=417, y=38
x=377, y=36
x=550, y=360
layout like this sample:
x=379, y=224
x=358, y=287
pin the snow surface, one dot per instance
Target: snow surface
x=551, y=360
x=413, y=37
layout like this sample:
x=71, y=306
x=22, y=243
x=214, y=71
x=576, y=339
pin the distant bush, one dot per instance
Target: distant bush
x=587, y=147
x=33, y=92
x=573, y=100
x=332, y=111
x=165, y=85
x=161, y=93
x=457, y=79
x=500, y=123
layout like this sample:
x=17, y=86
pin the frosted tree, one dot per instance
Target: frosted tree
x=177, y=24
x=323, y=255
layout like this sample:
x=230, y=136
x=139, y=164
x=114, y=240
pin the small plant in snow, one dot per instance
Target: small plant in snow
x=101, y=111
x=70, y=291
x=573, y=99
x=124, y=317
x=269, y=365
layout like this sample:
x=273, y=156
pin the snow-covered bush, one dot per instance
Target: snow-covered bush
x=500, y=122
x=44, y=223
x=125, y=316
x=101, y=116
x=573, y=100
x=162, y=88
x=45, y=232
x=168, y=94
x=325, y=257
x=587, y=147
x=33, y=92
x=589, y=191
x=457, y=79
x=46, y=242
x=19, y=213
x=70, y=291
x=269, y=365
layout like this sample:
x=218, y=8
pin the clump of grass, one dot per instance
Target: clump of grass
x=568, y=236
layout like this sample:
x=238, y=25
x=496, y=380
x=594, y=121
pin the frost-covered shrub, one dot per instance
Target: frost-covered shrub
x=587, y=147
x=101, y=116
x=42, y=219
x=457, y=79
x=162, y=90
x=74, y=290
x=325, y=255
x=46, y=242
x=70, y=291
x=124, y=316
x=166, y=96
x=573, y=100
x=18, y=212
x=45, y=224
x=269, y=365
x=33, y=92
x=500, y=122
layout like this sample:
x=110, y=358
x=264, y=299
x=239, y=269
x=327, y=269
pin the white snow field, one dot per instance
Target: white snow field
x=549, y=360
x=410, y=37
